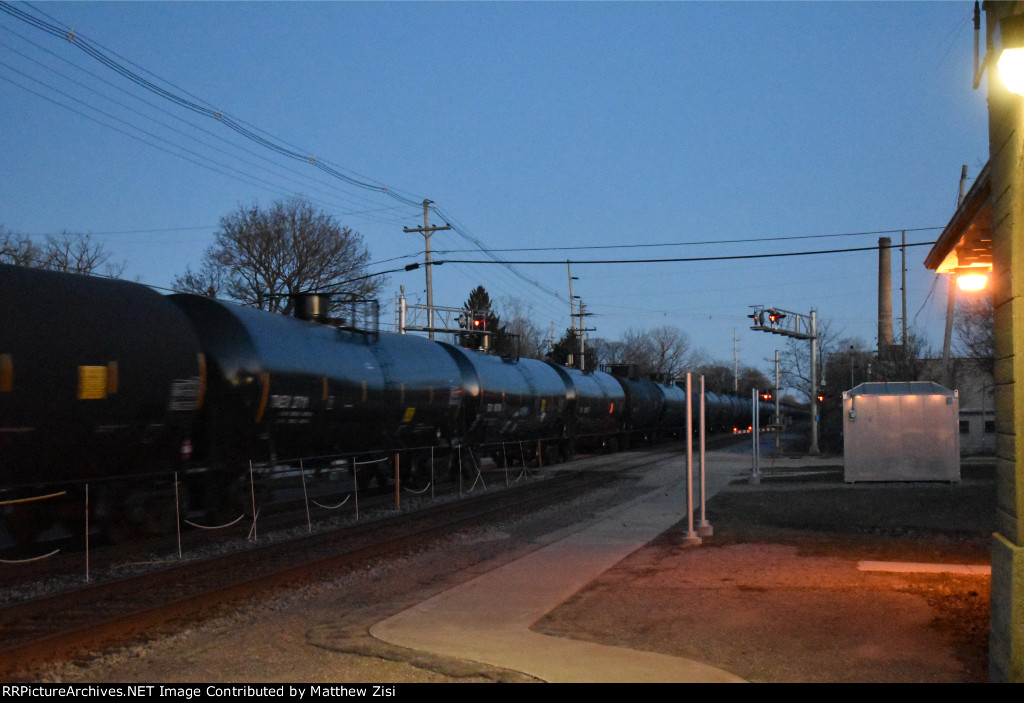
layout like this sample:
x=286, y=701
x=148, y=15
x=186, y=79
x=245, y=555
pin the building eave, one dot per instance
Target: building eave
x=967, y=239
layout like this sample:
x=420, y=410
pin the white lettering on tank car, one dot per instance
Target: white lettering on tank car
x=289, y=402
x=184, y=394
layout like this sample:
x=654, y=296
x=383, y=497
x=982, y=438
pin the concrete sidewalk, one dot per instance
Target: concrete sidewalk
x=488, y=619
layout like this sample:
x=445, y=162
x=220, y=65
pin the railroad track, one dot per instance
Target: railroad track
x=101, y=615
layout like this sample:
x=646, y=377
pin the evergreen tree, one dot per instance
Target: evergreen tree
x=478, y=308
x=568, y=347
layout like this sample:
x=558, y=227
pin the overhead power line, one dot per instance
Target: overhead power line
x=701, y=243
x=307, y=182
x=178, y=98
x=494, y=259
x=181, y=97
x=561, y=262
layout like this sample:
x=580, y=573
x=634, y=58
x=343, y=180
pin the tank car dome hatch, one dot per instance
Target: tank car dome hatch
x=623, y=370
x=311, y=307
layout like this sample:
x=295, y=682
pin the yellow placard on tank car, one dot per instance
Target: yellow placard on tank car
x=92, y=382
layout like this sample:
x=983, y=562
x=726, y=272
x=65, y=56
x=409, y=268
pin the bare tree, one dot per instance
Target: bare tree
x=209, y=280
x=18, y=249
x=751, y=379
x=672, y=351
x=74, y=253
x=634, y=348
x=974, y=328
x=518, y=325
x=263, y=256
x=663, y=350
x=850, y=363
x=903, y=362
x=717, y=377
x=604, y=351
x=795, y=359
x=78, y=254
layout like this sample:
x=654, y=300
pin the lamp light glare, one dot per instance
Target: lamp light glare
x=972, y=281
x=1011, y=68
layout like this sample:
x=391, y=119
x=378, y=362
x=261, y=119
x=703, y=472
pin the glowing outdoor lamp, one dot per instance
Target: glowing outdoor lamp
x=971, y=277
x=972, y=281
x=1011, y=59
x=1011, y=69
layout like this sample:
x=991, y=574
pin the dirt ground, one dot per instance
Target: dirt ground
x=775, y=595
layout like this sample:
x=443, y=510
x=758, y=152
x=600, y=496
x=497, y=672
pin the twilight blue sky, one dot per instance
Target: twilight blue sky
x=530, y=125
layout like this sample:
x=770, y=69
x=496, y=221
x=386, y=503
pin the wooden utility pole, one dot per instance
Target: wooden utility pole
x=572, y=307
x=735, y=363
x=947, y=378
x=582, y=330
x=903, y=288
x=426, y=230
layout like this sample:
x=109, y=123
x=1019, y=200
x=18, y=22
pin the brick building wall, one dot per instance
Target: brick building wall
x=1006, y=161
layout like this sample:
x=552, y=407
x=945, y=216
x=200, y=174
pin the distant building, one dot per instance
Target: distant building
x=977, y=404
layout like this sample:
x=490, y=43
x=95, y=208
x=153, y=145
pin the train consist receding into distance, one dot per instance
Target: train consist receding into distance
x=111, y=383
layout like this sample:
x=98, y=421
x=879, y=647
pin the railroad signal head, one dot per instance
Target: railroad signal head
x=766, y=396
x=774, y=316
x=480, y=323
x=462, y=321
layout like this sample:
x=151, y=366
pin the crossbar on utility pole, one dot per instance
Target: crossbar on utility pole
x=426, y=230
x=582, y=362
x=572, y=307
